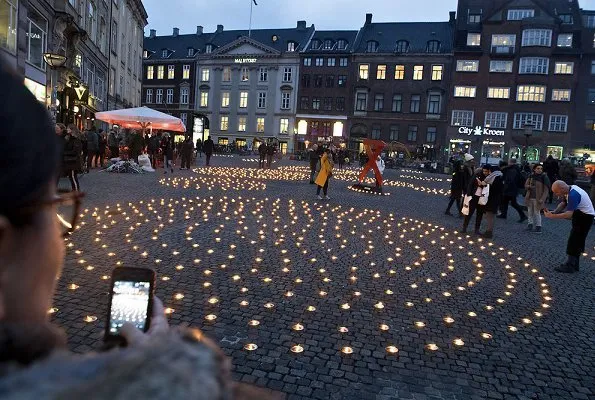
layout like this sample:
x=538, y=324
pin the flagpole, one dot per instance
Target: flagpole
x=250, y=25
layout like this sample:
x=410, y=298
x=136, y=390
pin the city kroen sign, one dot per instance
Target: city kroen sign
x=480, y=131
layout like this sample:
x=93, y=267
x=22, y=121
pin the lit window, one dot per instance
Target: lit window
x=498, y=93
x=186, y=72
x=8, y=26
x=160, y=71
x=284, y=125
x=503, y=44
x=564, y=68
x=561, y=94
x=474, y=39
x=565, y=40
x=418, y=72
x=224, y=99
x=364, y=71
x=534, y=65
x=260, y=124
x=399, y=72
x=467, y=65
x=291, y=46
x=496, y=120
x=381, y=72
x=537, y=37
x=558, y=123
x=462, y=118
x=243, y=99
x=517, y=15
x=532, y=93
x=523, y=120
x=224, y=122
x=150, y=72
x=500, y=66
x=204, y=99
x=205, y=74
x=242, y=124
x=465, y=91
x=437, y=72
x=170, y=72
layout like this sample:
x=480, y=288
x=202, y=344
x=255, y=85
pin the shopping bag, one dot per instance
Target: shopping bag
x=466, y=202
x=485, y=194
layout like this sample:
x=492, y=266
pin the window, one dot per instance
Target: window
x=521, y=120
x=243, y=99
x=564, y=68
x=245, y=74
x=306, y=80
x=205, y=74
x=160, y=71
x=169, y=96
x=379, y=102
x=561, y=94
x=467, y=65
x=431, y=134
x=260, y=124
x=190, y=52
x=204, y=99
x=319, y=62
x=184, y=118
x=474, y=39
x=376, y=133
x=500, y=66
x=36, y=37
x=317, y=80
x=415, y=102
x=434, y=104
x=285, y=100
x=263, y=74
x=381, y=72
x=537, y=37
x=474, y=19
x=284, y=125
x=112, y=80
x=437, y=72
x=418, y=72
x=340, y=103
x=8, y=24
x=224, y=124
x=589, y=21
x=433, y=46
x=503, y=44
x=92, y=21
x=262, y=99
x=397, y=103
x=330, y=62
x=498, y=93
x=226, y=74
x=315, y=103
x=184, y=95
x=327, y=45
x=241, y=124
x=394, y=133
x=558, y=123
x=158, y=94
x=372, y=46
x=149, y=97
x=531, y=93
x=343, y=62
x=149, y=72
x=330, y=81
x=307, y=61
x=591, y=96
x=224, y=99
x=209, y=48
x=328, y=103
x=341, y=44
x=565, y=40
x=402, y=46
x=287, y=74
x=592, y=67
x=517, y=15
x=399, y=72
x=315, y=44
x=186, y=72
x=566, y=19
x=164, y=53
x=363, y=71
x=170, y=72
x=291, y=46
x=342, y=81
x=114, y=36
x=361, y=102
x=304, y=102
x=534, y=65
x=496, y=120
x=465, y=91
x=412, y=133
x=462, y=118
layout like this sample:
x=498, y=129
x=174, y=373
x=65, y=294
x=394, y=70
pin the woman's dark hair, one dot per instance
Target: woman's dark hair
x=537, y=165
x=30, y=146
x=487, y=166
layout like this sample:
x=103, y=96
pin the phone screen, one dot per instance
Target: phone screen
x=130, y=303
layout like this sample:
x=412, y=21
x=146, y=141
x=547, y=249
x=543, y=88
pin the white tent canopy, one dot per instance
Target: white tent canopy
x=142, y=117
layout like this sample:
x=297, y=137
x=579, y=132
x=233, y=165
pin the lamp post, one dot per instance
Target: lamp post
x=528, y=133
x=54, y=61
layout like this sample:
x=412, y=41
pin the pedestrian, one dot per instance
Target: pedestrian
x=167, y=148
x=326, y=171
x=262, y=153
x=199, y=148
x=567, y=172
x=313, y=158
x=135, y=147
x=457, y=185
x=271, y=150
x=474, y=189
x=513, y=181
x=102, y=147
x=468, y=170
x=92, y=148
x=341, y=158
x=552, y=169
x=579, y=209
x=82, y=136
x=113, y=143
x=538, y=188
x=71, y=157
x=496, y=187
x=208, y=147
x=153, y=149
x=593, y=183
x=381, y=166
x=187, y=151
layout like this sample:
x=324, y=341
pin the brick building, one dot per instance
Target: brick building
x=583, y=138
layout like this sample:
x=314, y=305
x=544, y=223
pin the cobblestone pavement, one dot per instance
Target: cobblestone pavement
x=359, y=297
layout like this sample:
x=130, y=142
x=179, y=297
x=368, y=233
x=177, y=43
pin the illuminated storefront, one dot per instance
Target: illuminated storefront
x=38, y=90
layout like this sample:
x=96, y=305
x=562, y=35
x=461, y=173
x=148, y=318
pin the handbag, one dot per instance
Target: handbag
x=485, y=194
x=466, y=202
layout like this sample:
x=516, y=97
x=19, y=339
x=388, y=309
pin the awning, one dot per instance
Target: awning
x=142, y=117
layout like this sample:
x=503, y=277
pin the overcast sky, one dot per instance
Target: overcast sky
x=325, y=14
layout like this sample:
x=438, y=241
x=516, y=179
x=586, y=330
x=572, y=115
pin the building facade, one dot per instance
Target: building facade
x=583, y=139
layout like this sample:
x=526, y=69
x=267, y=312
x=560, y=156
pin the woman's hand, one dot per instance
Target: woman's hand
x=159, y=325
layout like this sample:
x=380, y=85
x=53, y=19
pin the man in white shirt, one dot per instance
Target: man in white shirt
x=579, y=209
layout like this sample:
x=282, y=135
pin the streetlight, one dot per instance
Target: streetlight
x=54, y=61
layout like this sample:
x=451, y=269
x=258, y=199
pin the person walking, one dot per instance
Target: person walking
x=153, y=149
x=71, y=157
x=538, y=188
x=341, y=158
x=113, y=143
x=381, y=167
x=513, y=181
x=92, y=148
x=102, y=147
x=579, y=209
x=457, y=183
x=314, y=158
x=496, y=186
x=552, y=170
x=474, y=189
x=208, y=147
x=199, y=148
x=326, y=171
x=271, y=150
x=567, y=172
x=187, y=151
x=262, y=151
x=167, y=148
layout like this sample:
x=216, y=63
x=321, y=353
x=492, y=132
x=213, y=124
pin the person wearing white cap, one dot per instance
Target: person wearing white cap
x=468, y=169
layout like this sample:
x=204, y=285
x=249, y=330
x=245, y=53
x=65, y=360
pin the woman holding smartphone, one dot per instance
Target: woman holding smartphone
x=474, y=189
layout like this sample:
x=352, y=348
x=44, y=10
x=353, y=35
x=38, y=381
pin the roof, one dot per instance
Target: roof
x=417, y=34
x=334, y=37
x=178, y=44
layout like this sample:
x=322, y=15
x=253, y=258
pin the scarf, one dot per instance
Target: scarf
x=492, y=177
x=539, y=178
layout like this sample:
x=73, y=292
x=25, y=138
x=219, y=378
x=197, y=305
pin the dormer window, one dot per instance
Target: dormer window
x=190, y=52
x=164, y=53
x=145, y=54
x=566, y=19
x=209, y=49
x=519, y=15
x=291, y=46
x=372, y=46
x=342, y=44
x=315, y=44
x=402, y=46
x=433, y=46
x=474, y=18
x=328, y=44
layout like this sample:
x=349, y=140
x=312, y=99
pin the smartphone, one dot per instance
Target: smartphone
x=131, y=300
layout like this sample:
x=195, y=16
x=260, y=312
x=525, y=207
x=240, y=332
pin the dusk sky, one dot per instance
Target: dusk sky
x=324, y=14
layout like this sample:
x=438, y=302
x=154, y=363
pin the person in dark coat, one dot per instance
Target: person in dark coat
x=474, y=190
x=136, y=146
x=468, y=170
x=71, y=158
x=187, y=150
x=271, y=150
x=496, y=183
x=567, y=172
x=314, y=158
x=113, y=143
x=153, y=149
x=456, y=187
x=551, y=167
x=208, y=147
x=262, y=154
x=102, y=146
x=167, y=147
x=92, y=148
x=513, y=181
x=199, y=147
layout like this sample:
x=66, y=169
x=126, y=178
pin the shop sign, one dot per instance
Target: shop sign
x=245, y=60
x=480, y=131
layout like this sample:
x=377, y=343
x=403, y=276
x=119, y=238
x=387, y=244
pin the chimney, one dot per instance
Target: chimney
x=176, y=32
x=152, y=34
x=199, y=30
x=453, y=17
x=219, y=28
x=301, y=25
x=368, y=19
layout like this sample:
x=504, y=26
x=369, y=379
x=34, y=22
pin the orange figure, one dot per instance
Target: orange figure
x=373, y=149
